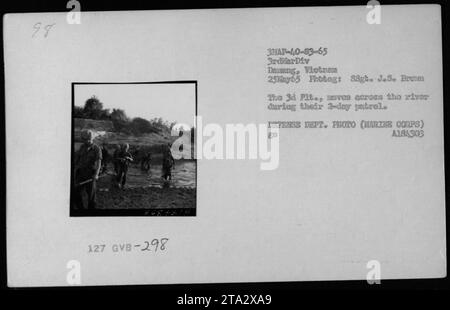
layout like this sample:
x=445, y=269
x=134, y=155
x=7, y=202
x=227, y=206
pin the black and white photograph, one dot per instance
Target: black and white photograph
x=122, y=160
x=295, y=145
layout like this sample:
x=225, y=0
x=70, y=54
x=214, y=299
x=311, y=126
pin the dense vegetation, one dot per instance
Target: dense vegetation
x=93, y=109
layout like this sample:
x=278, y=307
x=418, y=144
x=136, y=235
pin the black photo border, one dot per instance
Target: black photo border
x=285, y=292
x=128, y=212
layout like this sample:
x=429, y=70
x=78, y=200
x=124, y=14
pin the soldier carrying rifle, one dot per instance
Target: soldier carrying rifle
x=87, y=164
x=123, y=158
x=168, y=163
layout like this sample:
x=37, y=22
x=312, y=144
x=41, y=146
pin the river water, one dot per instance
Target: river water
x=184, y=175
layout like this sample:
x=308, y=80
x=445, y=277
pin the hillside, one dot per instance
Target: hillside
x=106, y=135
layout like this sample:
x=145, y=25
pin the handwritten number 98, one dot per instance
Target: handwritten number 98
x=46, y=28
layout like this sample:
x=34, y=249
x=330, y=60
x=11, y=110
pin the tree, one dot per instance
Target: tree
x=78, y=112
x=93, y=108
x=118, y=115
x=141, y=125
x=120, y=121
x=105, y=114
x=172, y=124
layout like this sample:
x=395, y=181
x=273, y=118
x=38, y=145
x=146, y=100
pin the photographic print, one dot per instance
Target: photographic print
x=319, y=147
x=123, y=160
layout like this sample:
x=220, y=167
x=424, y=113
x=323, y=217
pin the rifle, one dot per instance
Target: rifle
x=90, y=180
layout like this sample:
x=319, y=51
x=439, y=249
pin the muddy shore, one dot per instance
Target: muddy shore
x=145, y=194
x=147, y=198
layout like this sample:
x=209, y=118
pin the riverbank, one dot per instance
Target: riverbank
x=147, y=198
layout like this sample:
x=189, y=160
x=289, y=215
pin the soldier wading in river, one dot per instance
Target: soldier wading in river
x=168, y=163
x=87, y=164
x=123, y=159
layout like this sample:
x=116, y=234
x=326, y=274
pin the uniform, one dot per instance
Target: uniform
x=85, y=169
x=167, y=164
x=122, y=166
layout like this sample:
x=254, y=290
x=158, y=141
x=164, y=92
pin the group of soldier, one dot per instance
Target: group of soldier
x=91, y=160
